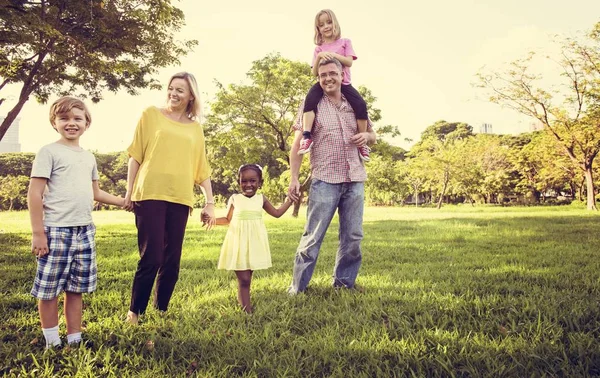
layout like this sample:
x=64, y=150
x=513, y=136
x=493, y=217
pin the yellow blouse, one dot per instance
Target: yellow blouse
x=172, y=156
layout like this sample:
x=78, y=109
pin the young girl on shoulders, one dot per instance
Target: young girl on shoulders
x=330, y=44
x=246, y=245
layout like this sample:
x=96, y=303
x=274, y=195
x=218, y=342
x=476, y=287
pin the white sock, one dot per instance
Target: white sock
x=52, y=337
x=74, y=338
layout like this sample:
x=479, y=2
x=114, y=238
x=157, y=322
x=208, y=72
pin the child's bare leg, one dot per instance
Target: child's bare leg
x=73, y=310
x=308, y=118
x=244, y=278
x=48, y=310
x=362, y=125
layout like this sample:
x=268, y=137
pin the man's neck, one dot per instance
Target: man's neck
x=336, y=98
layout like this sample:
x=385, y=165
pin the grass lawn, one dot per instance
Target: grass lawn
x=462, y=291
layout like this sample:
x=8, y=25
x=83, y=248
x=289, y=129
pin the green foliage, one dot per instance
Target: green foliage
x=251, y=123
x=570, y=110
x=16, y=163
x=490, y=292
x=84, y=47
x=13, y=191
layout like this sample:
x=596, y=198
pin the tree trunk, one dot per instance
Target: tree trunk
x=439, y=204
x=589, y=180
x=11, y=116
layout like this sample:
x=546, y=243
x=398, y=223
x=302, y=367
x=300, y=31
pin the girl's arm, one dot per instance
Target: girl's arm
x=39, y=242
x=104, y=197
x=132, y=169
x=272, y=211
x=224, y=221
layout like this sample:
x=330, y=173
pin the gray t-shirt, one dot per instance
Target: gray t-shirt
x=69, y=196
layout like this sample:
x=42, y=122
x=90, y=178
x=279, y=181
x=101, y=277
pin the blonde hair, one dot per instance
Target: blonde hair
x=337, y=31
x=65, y=104
x=194, y=108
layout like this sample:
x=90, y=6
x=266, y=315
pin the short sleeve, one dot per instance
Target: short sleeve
x=348, y=49
x=230, y=202
x=42, y=164
x=95, y=175
x=136, y=148
x=203, y=171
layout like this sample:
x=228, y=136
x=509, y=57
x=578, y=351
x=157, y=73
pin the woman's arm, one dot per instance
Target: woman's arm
x=209, y=207
x=132, y=169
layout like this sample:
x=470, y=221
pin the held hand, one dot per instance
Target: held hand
x=39, y=244
x=294, y=190
x=127, y=204
x=207, y=216
x=360, y=139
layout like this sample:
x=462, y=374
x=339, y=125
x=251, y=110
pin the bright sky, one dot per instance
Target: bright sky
x=418, y=58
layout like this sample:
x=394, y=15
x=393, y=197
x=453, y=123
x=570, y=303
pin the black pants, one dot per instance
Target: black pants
x=315, y=94
x=161, y=228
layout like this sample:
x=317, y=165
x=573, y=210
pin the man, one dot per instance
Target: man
x=338, y=176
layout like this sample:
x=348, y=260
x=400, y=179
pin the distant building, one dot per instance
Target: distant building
x=10, y=142
x=485, y=128
x=536, y=126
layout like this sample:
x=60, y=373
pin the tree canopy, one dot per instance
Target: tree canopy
x=63, y=46
x=569, y=111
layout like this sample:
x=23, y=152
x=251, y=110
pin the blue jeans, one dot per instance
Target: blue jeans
x=323, y=200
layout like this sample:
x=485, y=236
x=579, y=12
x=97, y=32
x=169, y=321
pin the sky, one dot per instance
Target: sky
x=419, y=59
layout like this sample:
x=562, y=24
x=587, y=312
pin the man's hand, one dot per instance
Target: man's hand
x=294, y=190
x=360, y=139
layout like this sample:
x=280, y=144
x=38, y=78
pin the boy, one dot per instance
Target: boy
x=64, y=183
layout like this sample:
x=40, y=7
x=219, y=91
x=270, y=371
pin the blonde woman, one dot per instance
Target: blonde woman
x=167, y=157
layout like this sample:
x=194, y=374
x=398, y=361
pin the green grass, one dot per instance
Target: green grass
x=494, y=292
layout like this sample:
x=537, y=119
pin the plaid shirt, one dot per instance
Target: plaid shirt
x=334, y=158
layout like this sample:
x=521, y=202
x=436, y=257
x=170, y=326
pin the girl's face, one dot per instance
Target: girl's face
x=179, y=94
x=325, y=26
x=249, y=182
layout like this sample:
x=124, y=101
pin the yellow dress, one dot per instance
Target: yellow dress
x=246, y=245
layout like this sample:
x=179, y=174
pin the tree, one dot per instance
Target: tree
x=252, y=122
x=60, y=46
x=13, y=188
x=569, y=112
x=436, y=155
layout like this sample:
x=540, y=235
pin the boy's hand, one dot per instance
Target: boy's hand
x=39, y=244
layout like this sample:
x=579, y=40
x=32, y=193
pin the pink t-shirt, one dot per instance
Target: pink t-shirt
x=342, y=46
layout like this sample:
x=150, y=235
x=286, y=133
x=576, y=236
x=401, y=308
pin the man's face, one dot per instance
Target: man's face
x=330, y=78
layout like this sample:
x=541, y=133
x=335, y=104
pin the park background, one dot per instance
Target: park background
x=500, y=280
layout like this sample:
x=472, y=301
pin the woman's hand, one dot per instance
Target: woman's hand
x=207, y=216
x=127, y=204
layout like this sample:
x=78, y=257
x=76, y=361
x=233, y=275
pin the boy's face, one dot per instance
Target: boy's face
x=71, y=125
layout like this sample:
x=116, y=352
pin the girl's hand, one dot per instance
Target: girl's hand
x=326, y=55
x=39, y=244
x=207, y=216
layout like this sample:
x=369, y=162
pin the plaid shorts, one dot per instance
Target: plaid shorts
x=70, y=265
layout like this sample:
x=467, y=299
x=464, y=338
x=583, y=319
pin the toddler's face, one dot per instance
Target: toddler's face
x=249, y=182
